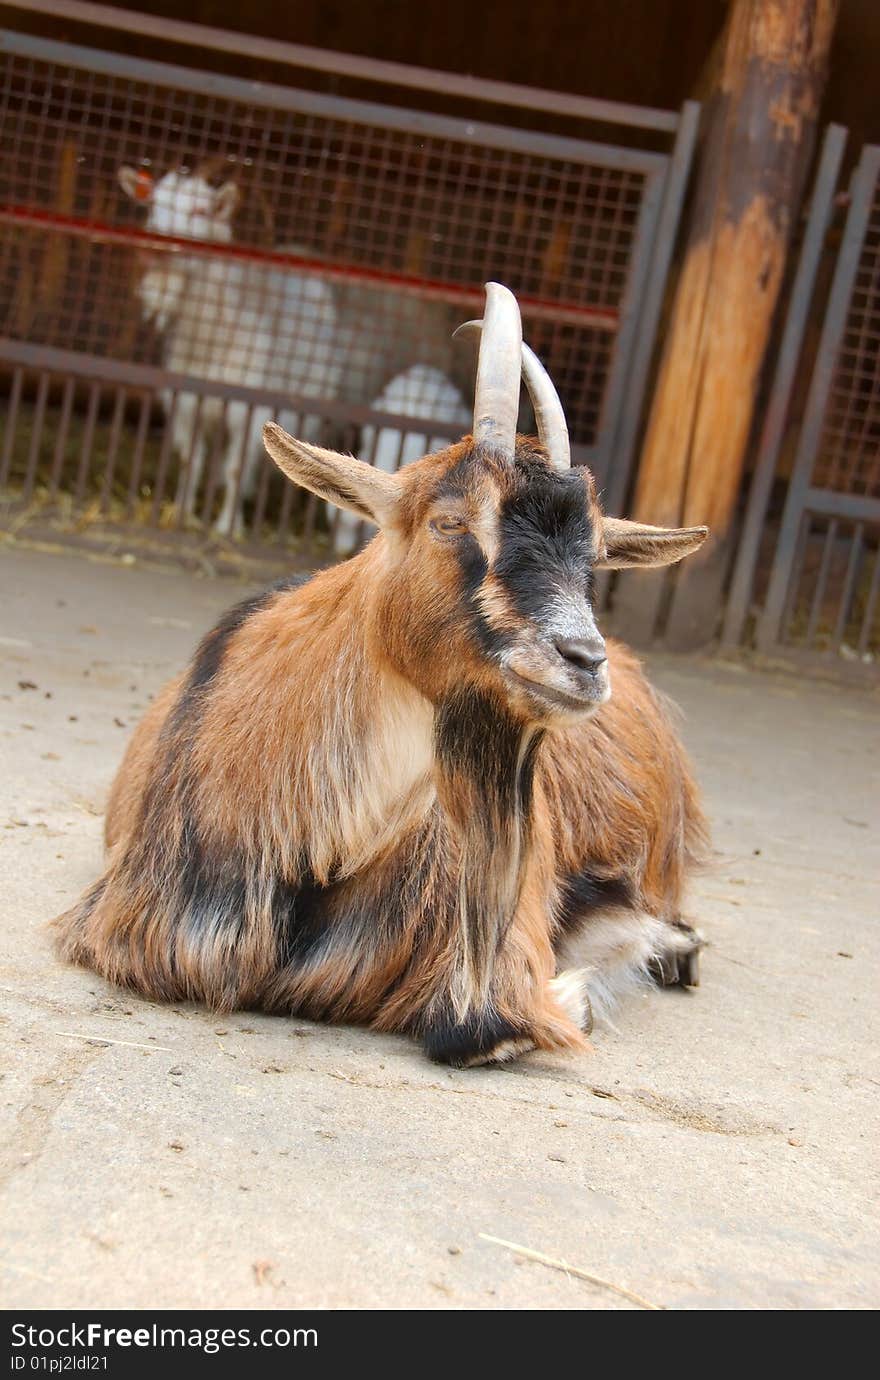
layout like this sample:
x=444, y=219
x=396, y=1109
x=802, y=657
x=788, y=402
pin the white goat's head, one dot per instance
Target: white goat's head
x=183, y=204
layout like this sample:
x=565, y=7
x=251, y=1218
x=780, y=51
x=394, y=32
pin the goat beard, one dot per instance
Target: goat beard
x=485, y=762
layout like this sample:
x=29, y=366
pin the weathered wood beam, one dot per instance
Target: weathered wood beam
x=759, y=134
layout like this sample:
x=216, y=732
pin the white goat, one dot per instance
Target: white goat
x=420, y=391
x=278, y=329
x=229, y=322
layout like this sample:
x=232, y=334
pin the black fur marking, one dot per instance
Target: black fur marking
x=457, y=481
x=476, y=737
x=211, y=889
x=210, y=651
x=363, y=924
x=474, y=568
x=546, y=541
x=212, y=648
x=585, y=893
x=299, y=914
x=447, y=1041
x=546, y=538
x=472, y=559
x=206, y=886
x=486, y=769
x=474, y=734
x=526, y=777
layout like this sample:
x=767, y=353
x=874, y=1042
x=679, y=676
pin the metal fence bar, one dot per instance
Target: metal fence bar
x=240, y=467
x=11, y=421
x=190, y=470
x=61, y=436
x=311, y=510
x=861, y=195
x=212, y=467
x=85, y=454
x=202, y=36
x=818, y=221
x=609, y=474
x=843, y=612
x=112, y=448
x=164, y=459
x=30, y=476
x=262, y=494
x=870, y=605
x=821, y=580
x=112, y=371
x=36, y=438
x=138, y=457
x=856, y=507
x=303, y=102
x=798, y=562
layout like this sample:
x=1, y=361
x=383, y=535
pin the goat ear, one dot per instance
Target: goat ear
x=635, y=543
x=341, y=479
x=136, y=183
x=225, y=201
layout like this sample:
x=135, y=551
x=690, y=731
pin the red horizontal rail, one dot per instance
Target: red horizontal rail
x=101, y=232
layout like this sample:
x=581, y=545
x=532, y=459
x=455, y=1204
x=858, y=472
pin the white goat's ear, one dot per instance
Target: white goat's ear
x=635, y=543
x=136, y=184
x=341, y=479
x=225, y=201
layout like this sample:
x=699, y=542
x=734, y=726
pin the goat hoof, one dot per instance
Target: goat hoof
x=478, y=1039
x=502, y=1053
x=679, y=964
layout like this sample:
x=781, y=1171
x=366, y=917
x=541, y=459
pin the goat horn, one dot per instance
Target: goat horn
x=496, y=395
x=549, y=416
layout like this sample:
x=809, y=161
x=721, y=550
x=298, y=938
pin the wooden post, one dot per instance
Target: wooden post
x=759, y=133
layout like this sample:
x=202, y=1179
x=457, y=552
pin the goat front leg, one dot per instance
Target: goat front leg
x=240, y=458
x=526, y=1007
x=498, y=997
x=502, y=1032
x=188, y=439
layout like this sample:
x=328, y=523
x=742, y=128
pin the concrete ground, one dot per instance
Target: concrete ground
x=713, y=1152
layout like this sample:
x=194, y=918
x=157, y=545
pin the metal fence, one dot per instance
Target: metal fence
x=183, y=255
x=822, y=595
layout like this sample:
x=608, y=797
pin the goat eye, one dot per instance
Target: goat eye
x=448, y=526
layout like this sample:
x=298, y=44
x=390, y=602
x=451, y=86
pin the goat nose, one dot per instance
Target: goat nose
x=587, y=654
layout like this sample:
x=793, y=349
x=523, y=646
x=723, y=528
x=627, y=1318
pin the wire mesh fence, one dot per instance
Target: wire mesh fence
x=183, y=255
x=848, y=460
x=823, y=589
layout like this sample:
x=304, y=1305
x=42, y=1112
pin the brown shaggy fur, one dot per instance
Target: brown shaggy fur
x=290, y=829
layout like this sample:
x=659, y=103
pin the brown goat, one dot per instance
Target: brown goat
x=400, y=793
